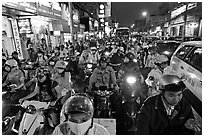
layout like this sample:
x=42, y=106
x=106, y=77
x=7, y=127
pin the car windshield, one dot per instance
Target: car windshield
x=167, y=46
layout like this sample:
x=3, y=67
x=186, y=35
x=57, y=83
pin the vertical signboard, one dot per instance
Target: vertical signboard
x=17, y=38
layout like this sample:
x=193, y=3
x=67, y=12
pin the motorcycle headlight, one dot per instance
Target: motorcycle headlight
x=166, y=52
x=89, y=66
x=135, y=60
x=107, y=53
x=31, y=109
x=131, y=80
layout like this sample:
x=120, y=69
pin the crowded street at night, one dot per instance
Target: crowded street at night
x=101, y=68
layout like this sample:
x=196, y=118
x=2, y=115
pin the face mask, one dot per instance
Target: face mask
x=52, y=63
x=126, y=60
x=7, y=68
x=79, y=129
x=60, y=70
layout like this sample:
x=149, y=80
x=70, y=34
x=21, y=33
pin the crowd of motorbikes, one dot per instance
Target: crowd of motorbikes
x=33, y=117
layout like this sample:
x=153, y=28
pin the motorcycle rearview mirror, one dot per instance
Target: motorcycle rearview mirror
x=151, y=78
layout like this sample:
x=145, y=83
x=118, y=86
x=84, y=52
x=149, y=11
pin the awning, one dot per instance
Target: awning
x=17, y=11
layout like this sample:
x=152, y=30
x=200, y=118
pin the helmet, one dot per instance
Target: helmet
x=104, y=59
x=61, y=64
x=130, y=55
x=161, y=59
x=78, y=104
x=171, y=83
x=11, y=63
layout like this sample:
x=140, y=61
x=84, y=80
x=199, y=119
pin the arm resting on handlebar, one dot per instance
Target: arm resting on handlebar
x=36, y=90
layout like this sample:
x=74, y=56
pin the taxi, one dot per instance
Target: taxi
x=186, y=62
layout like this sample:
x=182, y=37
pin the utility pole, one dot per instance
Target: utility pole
x=185, y=20
x=71, y=20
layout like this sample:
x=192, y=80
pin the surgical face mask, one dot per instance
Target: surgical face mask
x=7, y=68
x=79, y=129
x=52, y=63
x=126, y=60
x=60, y=70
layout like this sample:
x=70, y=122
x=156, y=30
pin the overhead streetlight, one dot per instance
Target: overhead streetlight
x=144, y=13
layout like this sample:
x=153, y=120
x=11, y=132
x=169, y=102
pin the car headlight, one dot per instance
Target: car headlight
x=31, y=109
x=89, y=66
x=131, y=80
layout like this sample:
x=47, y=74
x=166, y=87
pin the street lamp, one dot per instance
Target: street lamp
x=144, y=14
x=132, y=25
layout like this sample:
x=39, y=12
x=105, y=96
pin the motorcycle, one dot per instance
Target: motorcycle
x=131, y=99
x=36, y=119
x=10, y=124
x=102, y=102
x=88, y=70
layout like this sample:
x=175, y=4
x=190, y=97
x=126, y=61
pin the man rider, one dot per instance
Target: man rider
x=103, y=75
x=77, y=118
x=168, y=113
x=117, y=58
x=161, y=65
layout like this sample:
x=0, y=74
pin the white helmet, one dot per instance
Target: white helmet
x=161, y=59
x=11, y=63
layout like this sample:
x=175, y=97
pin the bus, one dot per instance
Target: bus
x=122, y=32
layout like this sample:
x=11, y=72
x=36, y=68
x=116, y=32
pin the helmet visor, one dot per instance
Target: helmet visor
x=175, y=87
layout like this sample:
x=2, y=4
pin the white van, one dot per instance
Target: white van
x=186, y=62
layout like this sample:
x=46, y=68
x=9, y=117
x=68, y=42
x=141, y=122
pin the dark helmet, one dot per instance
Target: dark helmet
x=15, y=52
x=130, y=56
x=103, y=59
x=78, y=104
x=171, y=83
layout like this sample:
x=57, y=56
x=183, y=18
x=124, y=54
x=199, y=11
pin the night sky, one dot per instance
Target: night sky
x=127, y=12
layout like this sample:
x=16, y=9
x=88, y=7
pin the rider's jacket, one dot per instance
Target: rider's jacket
x=150, y=61
x=64, y=129
x=16, y=78
x=63, y=82
x=41, y=60
x=117, y=58
x=153, y=119
x=105, y=77
x=87, y=57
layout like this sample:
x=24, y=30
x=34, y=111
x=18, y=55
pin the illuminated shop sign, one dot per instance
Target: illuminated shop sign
x=178, y=11
x=24, y=26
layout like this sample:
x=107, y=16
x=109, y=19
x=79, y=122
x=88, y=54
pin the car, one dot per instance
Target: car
x=186, y=62
x=167, y=47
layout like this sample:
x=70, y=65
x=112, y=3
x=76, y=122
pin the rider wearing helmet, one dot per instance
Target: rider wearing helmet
x=15, y=76
x=150, y=61
x=77, y=117
x=62, y=78
x=167, y=113
x=103, y=75
x=157, y=72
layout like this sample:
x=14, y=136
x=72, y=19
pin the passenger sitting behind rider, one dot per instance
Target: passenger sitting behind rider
x=103, y=75
x=167, y=113
x=62, y=78
x=77, y=117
